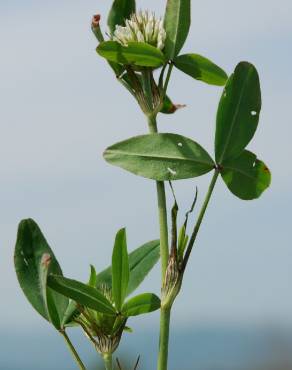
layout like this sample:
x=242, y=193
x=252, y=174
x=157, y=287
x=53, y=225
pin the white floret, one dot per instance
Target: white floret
x=141, y=27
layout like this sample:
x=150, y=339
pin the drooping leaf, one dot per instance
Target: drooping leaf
x=120, y=11
x=136, y=53
x=201, y=69
x=30, y=247
x=81, y=293
x=120, y=269
x=142, y=303
x=238, y=112
x=160, y=157
x=177, y=23
x=141, y=262
x=246, y=176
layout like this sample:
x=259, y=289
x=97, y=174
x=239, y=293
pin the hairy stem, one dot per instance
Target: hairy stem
x=73, y=350
x=200, y=218
x=108, y=361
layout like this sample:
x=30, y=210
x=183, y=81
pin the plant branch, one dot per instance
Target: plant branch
x=200, y=219
x=72, y=350
x=167, y=79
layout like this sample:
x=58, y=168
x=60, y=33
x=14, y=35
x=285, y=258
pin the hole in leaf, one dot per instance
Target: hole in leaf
x=179, y=144
x=170, y=170
x=253, y=113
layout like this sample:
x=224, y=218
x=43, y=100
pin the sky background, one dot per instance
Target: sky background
x=61, y=107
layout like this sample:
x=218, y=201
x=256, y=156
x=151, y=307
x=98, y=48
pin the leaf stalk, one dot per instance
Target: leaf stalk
x=72, y=350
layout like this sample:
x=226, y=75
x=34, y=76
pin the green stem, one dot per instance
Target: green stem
x=200, y=218
x=73, y=350
x=163, y=338
x=164, y=254
x=162, y=211
x=108, y=361
x=167, y=79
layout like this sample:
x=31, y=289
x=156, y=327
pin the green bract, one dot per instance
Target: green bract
x=160, y=157
x=201, y=69
x=136, y=53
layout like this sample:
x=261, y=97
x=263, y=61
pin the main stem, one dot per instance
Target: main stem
x=73, y=350
x=162, y=211
x=164, y=253
x=108, y=361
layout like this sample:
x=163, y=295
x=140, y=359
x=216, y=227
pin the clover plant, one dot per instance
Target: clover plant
x=138, y=43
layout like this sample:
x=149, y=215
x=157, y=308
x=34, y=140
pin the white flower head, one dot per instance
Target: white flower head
x=141, y=27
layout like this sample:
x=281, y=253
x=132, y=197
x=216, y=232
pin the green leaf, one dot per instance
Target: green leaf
x=177, y=23
x=246, y=176
x=201, y=69
x=141, y=262
x=143, y=303
x=160, y=157
x=120, y=269
x=81, y=293
x=238, y=112
x=71, y=313
x=136, y=53
x=120, y=11
x=50, y=297
x=30, y=247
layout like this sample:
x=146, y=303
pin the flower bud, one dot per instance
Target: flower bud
x=96, y=28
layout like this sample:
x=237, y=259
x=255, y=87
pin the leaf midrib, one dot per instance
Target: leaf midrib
x=114, y=151
x=242, y=172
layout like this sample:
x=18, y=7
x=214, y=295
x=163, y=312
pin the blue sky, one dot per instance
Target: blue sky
x=61, y=106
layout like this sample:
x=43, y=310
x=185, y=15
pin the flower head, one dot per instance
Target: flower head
x=141, y=27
